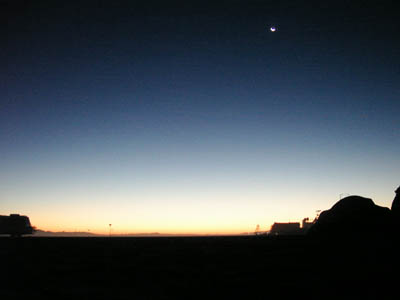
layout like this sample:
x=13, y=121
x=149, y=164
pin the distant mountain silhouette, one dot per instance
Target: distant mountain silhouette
x=44, y=233
x=357, y=216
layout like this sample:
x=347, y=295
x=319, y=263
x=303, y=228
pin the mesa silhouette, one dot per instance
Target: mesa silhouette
x=358, y=216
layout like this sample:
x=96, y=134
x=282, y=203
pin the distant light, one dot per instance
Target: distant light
x=273, y=29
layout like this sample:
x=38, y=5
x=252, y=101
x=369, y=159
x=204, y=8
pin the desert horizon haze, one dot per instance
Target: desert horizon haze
x=195, y=118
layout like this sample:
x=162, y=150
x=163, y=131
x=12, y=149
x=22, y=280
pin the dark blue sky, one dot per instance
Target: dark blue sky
x=197, y=102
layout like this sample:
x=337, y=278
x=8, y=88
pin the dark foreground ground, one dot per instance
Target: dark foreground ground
x=198, y=268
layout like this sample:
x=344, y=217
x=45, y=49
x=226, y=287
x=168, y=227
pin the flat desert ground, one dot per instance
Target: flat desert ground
x=232, y=267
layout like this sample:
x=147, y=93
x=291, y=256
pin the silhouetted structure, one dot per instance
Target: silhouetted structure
x=15, y=225
x=285, y=228
x=257, y=230
x=306, y=225
x=352, y=216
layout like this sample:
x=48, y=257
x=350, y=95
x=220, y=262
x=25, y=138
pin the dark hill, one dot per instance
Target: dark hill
x=353, y=216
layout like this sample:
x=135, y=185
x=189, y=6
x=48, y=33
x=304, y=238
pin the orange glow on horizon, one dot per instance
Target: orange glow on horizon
x=117, y=230
x=229, y=214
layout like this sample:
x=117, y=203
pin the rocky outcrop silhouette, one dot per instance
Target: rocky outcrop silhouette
x=357, y=216
x=396, y=203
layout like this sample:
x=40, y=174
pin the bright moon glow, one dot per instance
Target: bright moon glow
x=273, y=29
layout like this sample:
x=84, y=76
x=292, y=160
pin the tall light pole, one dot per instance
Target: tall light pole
x=257, y=231
x=110, y=228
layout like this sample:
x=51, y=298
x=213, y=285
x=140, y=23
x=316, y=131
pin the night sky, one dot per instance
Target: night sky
x=192, y=116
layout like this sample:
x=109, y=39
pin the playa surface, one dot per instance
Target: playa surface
x=245, y=267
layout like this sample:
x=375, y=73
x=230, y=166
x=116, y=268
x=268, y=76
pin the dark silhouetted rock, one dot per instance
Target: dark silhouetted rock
x=396, y=203
x=353, y=216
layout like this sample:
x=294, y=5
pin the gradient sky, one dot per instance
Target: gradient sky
x=192, y=117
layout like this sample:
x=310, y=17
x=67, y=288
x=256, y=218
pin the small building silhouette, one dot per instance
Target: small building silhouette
x=15, y=225
x=285, y=228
